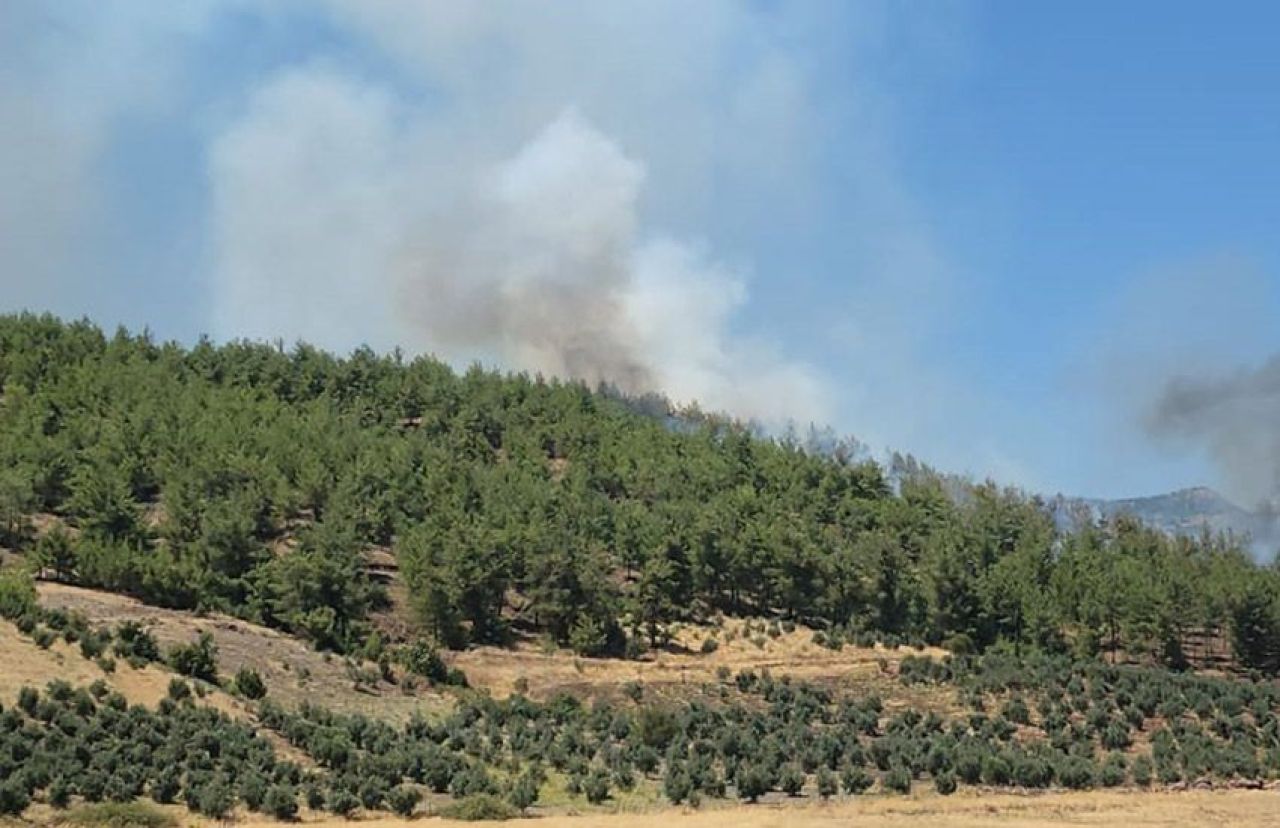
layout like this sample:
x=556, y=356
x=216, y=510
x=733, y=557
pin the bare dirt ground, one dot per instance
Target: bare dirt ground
x=292, y=671
x=1238, y=809
x=544, y=673
x=972, y=809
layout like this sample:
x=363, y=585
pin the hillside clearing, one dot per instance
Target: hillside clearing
x=27, y=665
x=292, y=671
x=683, y=665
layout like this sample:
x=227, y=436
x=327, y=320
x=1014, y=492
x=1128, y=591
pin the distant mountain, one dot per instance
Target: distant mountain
x=1185, y=512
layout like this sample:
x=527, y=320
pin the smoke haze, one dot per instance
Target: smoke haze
x=1237, y=418
x=655, y=194
x=497, y=219
x=534, y=261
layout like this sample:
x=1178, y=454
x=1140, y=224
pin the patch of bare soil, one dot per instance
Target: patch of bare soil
x=292, y=671
x=1133, y=809
x=684, y=666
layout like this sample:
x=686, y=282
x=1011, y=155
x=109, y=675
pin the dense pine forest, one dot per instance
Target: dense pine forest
x=256, y=480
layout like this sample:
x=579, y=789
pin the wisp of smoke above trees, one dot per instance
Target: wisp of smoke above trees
x=1236, y=418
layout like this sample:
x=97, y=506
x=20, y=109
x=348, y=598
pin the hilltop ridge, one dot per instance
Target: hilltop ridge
x=1188, y=512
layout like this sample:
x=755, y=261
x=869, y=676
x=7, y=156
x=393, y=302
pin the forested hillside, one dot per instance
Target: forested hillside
x=254, y=479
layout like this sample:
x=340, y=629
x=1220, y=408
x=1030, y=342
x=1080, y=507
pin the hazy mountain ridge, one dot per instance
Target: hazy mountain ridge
x=1185, y=512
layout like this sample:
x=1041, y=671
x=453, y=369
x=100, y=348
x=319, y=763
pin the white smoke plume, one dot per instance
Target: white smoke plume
x=576, y=189
x=547, y=268
x=336, y=216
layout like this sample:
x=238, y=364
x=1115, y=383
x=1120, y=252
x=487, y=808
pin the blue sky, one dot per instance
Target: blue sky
x=986, y=233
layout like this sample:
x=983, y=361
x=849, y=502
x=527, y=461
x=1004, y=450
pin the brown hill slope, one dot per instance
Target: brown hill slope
x=292, y=671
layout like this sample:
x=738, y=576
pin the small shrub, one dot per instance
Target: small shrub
x=524, y=792
x=710, y=644
x=14, y=798
x=996, y=770
x=119, y=815
x=596, y=788
x=792, y=780
x=1142, y=770
x=1016, y=711
x=1076, y=773
x=1116, y=736
x=752, y=783
x=945, y=783
x=676, y=785
x=281, y=802
x=166, y=786
x=403, y=800
x=17, y=595
x=198, y=660
x=253, y=790
x=855, y=780
x=314, y=795
x=214, y=800
x=1112, y=774
x=92, y=646
x=372, y=793
x=59, y=793
x=827, y=783
x=249, y=684
x=179, y=690
x=898, y=780
x=135, y=643
x=28, y=699
x=656, y=726
x=341, y=802
x=479, y=807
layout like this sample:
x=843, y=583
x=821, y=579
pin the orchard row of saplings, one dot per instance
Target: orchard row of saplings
x=1028, y=723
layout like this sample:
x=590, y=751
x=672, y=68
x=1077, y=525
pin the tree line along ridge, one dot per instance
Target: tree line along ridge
x=256, y=480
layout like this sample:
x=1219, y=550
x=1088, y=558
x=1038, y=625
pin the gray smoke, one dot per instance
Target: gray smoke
x=538, y=263
x=1236, y=418
x=339, y=216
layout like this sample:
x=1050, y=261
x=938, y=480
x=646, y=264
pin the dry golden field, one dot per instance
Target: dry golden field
x=971, y=809
x=683, y=665
x=1220, y=809
x=22, y=663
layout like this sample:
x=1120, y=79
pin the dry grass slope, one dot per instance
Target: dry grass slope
x=794, y=654
x=25, y=664
x=292, y=670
